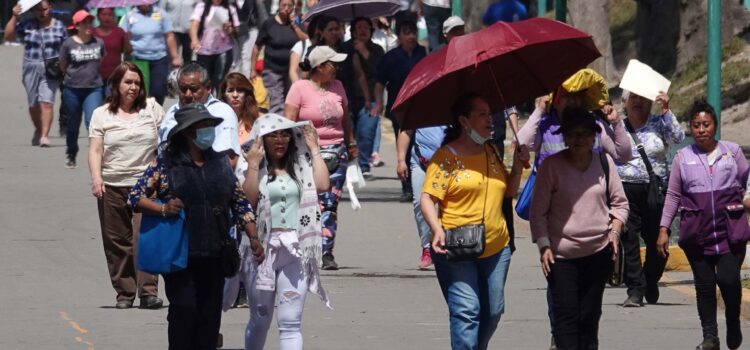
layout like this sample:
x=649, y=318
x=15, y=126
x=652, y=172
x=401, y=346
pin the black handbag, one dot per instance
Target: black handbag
x=229, y=253
x=51, y=66
x=332, y=157
x=655, y=189
x=467, y=242
x=617, y=275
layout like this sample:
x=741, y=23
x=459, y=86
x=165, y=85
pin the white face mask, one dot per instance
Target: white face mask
x=479, y=139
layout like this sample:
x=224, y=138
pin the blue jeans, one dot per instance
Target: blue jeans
x=417, y=180
x=376, y=143
x=434, y=17
x=78, y=102
x=366, y=129
x=474, y=291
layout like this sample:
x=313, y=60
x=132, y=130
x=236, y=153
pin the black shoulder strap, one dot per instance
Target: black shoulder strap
x=639, y=147
x=605, y=167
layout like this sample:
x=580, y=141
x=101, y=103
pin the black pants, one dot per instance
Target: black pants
x=643, y=222
x=577, y=289
x=722, y=270
x=218, y=66
x=195, y=296
x=183, y=39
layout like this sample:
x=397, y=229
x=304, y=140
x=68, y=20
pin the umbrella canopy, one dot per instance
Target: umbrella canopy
x=118, y=3
x=347, y=10
x=507, y=63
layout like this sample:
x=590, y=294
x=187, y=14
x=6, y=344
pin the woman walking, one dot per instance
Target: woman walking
x=707, y=184
x=237, y=92
x=577, y=213
x=123, y=138
x=277, y=35
x=284, y=175
x=321, y=100
x=115, y=41
x=42, y=36
x=467, y=181
x=655, y=133
x=190, y=175
x=153, y=43
x=212, y=39
x=80, y=60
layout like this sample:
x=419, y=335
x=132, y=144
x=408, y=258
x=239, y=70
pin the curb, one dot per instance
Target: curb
x=677, y=261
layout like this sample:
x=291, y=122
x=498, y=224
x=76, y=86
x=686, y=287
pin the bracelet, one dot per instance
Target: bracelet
x=254, y=238
x=617, y=233
x=249, y=167
x=163, y=210
x=316, y=153
x=353, y=144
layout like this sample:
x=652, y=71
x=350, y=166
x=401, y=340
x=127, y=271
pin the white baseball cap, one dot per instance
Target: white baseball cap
x=322, y=54
x=452, y=22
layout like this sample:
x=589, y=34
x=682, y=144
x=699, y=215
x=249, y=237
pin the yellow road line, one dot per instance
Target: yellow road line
x=77, y=327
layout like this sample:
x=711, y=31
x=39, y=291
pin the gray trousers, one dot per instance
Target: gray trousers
x=277, y=86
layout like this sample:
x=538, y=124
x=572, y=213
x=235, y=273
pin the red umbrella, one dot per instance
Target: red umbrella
x=507, y=63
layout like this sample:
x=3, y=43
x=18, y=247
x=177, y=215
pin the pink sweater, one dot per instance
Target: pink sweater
x=569, y=210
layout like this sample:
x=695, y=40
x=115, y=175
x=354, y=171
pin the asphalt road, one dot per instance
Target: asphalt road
x=57, y=294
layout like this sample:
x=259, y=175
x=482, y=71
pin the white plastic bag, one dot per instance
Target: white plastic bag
x=354, y=176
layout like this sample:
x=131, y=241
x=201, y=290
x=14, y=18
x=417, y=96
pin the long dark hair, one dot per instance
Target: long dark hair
x=462, y=107
x=206, y=9
x=115, y=99
x=289, y=160
x=322, y=24
x=177, y=151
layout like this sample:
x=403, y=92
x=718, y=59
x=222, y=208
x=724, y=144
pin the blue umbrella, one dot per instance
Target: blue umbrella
x=347, y=10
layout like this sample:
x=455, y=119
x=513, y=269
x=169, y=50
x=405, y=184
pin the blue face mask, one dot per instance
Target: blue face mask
x=204, y=138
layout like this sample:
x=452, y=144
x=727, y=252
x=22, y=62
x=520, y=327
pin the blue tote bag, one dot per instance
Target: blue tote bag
x=523, y=205
x=163, y=244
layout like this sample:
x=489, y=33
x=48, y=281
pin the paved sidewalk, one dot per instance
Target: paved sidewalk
x=56, y=292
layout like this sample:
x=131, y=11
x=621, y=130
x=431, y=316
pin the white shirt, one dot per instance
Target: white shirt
x=227, y=136
x=437, y=3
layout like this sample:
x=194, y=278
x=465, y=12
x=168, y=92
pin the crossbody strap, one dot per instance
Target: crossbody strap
x=640, y=148
x=605, y=167
x=486, y=176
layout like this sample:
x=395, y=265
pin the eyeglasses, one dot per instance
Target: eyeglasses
x=194, y=88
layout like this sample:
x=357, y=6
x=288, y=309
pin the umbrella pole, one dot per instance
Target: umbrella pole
x=500, y=93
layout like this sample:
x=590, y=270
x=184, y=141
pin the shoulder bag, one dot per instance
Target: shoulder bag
x=655, y=190
x=162, y=244
x=51, y=65
x=467, y=242
x=617, y=277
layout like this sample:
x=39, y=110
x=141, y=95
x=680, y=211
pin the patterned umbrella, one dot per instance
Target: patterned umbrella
x=347, y=10
x=118, y=3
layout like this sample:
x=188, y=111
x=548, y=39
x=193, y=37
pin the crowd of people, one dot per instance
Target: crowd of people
x=274, y=106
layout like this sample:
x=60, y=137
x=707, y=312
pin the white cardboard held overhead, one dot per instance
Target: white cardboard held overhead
x=27, y=4
x=643, y=80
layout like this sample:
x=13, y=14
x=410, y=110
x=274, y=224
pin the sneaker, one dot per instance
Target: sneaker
x=241, y=299
x=151, y=302
x=124, y=304
x=220, y=341
x=44, y=142
x=375, y=160
x=734, y=335
x=71, y=162
x=709, y=342
x=367, y=175
x=652, y=293
x=329, y=263
x=406, y=197
x=552, y=344
x=35, y=138
x=633, y=301
x=426, y=260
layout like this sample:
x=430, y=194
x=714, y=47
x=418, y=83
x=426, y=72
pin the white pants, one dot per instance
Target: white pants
x=242, y=51
x=291, y=289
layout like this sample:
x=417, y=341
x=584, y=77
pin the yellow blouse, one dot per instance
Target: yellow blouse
x=459, y=184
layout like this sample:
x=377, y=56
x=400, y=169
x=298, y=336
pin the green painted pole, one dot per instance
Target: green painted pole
x=541, y=7
x=457, y=8
x=714, y=59
x=561, y=10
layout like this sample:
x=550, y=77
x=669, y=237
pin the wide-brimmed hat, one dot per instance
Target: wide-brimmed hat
x=271, y=122
x=574, y=118
x=190, y=114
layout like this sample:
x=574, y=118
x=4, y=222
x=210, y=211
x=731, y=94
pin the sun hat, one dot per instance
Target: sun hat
x=271, y=122
x=190, y=114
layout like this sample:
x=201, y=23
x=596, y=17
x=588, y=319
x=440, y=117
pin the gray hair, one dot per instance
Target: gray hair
x=195, y=68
